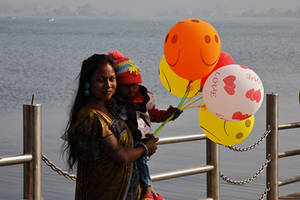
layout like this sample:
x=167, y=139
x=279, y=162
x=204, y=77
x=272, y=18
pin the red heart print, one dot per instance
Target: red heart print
x=240, y=116
x=257, y=96
x=229, y=90
x=244, y=67
x=254, y=95
x=249, y=93
x=229, y=84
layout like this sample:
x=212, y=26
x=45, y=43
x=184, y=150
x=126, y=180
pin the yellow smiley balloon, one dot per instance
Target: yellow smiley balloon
x=174, y=83
x=224, y=132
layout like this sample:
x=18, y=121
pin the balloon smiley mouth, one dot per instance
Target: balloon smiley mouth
x=208, y=64
x=177, y=60
x=211, y=133
x=166, y=78
x=225, y=128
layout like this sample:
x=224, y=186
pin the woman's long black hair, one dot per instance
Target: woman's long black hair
x=88, y=68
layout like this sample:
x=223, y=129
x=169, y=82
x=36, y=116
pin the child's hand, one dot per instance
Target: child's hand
x=174, y=111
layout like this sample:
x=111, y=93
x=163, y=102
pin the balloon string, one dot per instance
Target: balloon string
x=187, y=105
x=162, y=125
x=186, y=108
x=169, y=118
x=182, y=100
x=172, y=115
x=196, y=94
x=187, y=101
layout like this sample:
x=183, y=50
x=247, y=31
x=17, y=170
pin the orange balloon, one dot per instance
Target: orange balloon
x=192, y=48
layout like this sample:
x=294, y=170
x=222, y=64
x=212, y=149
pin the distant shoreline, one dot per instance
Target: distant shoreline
x=145, y=18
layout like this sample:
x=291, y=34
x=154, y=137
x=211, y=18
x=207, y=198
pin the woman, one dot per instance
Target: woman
x=98, y=141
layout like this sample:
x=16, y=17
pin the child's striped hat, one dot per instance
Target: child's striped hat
x=127, y=72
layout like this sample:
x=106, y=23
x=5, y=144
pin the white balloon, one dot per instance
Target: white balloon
x=233, y=92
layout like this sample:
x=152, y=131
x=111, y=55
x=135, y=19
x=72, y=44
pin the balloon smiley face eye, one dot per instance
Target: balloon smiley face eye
x=174, y=39
x=239, y=135
x=207, y=39
x=216, y=39
x=166, y=39
x=248, y=123
x=196, y=20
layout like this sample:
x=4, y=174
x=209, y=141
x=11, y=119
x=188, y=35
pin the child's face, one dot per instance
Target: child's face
x=128, y=90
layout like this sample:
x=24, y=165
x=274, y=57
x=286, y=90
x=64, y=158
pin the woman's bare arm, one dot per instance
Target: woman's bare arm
x=124, y=154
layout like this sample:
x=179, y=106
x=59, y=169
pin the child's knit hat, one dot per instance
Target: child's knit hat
x=127, y=72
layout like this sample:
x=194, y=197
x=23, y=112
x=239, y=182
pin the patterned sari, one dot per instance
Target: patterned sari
x=98, y=176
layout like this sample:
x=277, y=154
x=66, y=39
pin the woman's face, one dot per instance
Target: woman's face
x=103, y=83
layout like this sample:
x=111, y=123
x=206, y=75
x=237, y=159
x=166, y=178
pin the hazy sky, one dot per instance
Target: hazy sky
x=150, y=7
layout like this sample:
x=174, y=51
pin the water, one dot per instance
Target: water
x=42, y=58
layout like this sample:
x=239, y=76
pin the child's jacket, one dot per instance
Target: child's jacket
x=140, y=111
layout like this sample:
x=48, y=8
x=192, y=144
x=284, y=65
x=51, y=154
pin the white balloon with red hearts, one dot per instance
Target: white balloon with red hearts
x=233, y=92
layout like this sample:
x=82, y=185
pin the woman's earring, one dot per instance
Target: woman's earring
x=86, y=89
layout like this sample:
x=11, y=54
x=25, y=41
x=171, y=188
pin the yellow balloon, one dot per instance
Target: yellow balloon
x=174, y=83
x=224, y=132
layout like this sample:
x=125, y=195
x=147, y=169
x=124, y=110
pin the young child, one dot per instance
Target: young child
x=137, y=108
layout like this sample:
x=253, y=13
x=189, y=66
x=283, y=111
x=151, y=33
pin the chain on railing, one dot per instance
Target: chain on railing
x=264, y=194
x=248, y=180
x=57, y=169
x=239, y=149
x=225, y=178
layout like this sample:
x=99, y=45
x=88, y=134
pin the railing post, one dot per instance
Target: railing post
x=32, y=145
x=272, y=146
x=213, y=177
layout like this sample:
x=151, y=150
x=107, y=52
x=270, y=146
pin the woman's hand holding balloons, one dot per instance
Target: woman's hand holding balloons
x=151, y=143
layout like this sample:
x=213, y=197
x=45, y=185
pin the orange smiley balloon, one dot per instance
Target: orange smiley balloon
x=192, y=48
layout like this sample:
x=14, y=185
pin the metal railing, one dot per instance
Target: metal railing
x=32, y=181
x=272, y=148
x=212, y=167
x=32, y=156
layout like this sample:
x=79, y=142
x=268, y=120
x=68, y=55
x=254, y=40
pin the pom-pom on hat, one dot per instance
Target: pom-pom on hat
x=127, y=72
